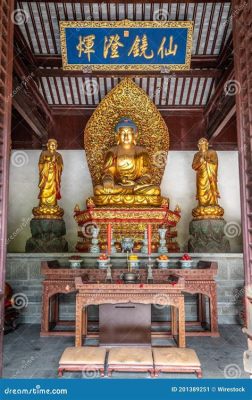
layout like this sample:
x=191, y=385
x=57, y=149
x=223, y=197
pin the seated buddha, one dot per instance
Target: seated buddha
x=126, y=177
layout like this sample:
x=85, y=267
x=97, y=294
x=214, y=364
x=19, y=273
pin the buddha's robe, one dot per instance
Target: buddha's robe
x=50, y=170
x=130, y=173
x=206, y=167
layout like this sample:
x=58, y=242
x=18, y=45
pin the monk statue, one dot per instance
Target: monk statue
x=50, y=170
x=126, y=177
x=205, y=163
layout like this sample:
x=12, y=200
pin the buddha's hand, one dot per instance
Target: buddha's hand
x=108, y=184
x=143, y=180
x=127, y=182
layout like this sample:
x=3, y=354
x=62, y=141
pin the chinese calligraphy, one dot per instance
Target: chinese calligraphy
x=86, y=44
x=167, y=51
x=112, y=43
x=139, y=48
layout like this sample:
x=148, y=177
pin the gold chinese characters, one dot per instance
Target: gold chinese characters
x=112, y=43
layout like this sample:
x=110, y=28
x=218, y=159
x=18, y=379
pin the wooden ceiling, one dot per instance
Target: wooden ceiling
x=173, y=93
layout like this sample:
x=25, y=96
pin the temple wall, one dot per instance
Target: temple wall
x=178, y=184
x=23, y=273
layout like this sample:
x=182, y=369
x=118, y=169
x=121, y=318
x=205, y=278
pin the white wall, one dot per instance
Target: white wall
x=178, y=184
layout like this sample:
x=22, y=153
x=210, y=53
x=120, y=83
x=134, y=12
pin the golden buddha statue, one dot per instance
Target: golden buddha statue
x=50, y=170
x=205, y=163
x=126, y=178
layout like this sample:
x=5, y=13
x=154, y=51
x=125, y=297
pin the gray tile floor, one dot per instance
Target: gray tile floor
x=27, y=355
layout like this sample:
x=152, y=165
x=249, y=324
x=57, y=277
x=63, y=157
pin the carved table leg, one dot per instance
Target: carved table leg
x=56, y=309
x=45, y=311
x=79, y=321
x=174, y=321
x=181, y=322
x=213, y=310
x=85, y=321
x=201, y=309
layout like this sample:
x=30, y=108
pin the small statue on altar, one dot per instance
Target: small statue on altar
x=126, y=179
x=50, y=171
x=205, y=163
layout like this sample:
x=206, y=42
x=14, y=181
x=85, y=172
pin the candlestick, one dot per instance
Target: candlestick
x=109, y=231
x=149, y=238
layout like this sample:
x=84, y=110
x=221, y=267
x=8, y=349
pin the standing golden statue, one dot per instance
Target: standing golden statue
x=50, y=170
x=126, y=178
x=205, y=163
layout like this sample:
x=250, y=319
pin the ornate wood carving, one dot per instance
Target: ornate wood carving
x=100, y=293
x=61, y=280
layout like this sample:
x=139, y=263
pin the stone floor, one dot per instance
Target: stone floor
x=27, y=355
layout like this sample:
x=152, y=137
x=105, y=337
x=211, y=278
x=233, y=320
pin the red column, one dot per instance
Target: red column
x=242, y=35
x=6, y=64
x=149, y=231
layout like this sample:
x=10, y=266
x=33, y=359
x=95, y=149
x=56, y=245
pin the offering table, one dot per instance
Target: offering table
x=59, y=279
x=165, y=294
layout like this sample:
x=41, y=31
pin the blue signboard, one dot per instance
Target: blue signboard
x=126, y=45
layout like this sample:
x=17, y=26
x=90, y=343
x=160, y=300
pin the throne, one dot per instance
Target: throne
x=128, y=214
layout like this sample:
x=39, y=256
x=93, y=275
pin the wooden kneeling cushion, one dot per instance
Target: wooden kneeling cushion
x=88, y=360
x=173, y=359
x=129, y=359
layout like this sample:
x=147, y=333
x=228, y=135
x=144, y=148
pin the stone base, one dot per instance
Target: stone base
x=208, y=236
x=47, y=236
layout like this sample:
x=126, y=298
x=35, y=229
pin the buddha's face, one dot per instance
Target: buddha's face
x=52, y=147
x=126, y=135
x=203, y=146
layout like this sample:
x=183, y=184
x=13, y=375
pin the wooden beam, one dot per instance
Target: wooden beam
x=25, y=108
x=88, y=110
x=226, y=55
x=220, y=125
x=55, y=61
x=27, y=79
x=201, y=73
x=21, y=47
x=132, y=1
x=214, y=101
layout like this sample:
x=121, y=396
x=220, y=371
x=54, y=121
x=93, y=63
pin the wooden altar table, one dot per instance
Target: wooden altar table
x=59, y=279
x=165, y=294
